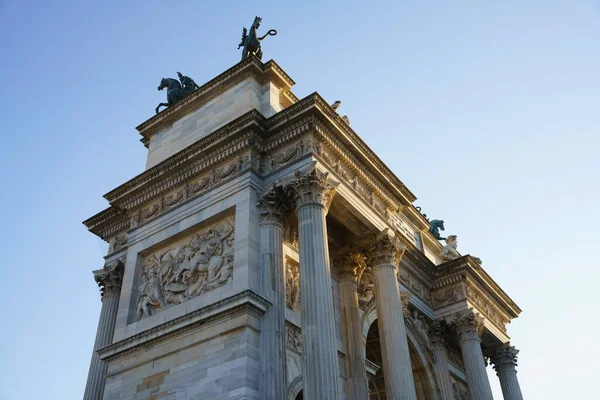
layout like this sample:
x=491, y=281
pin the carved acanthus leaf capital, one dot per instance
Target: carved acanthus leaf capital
x=386, y=249
x=312, y=187
x=110, y=278
x=505, y=358
x=350, y=263
x=468, y=325
x=273, y=205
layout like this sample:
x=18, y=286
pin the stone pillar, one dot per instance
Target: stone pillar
x=351, y=265
x=273, y=207
x=439, y=343
x=311, y=193
x=109, y=279
x=505, y=363
x=386, y=252
x=469, y=327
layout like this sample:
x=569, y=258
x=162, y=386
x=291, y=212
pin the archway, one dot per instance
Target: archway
x=424, y=377
x=299, y=396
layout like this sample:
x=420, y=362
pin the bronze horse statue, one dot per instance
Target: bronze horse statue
x=251, y=42
x=175, y=91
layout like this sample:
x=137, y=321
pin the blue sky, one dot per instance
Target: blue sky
x=487, y=112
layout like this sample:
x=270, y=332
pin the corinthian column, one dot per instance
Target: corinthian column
x=311, y=193
x=439, y=343
x=109, y=279
x=469, y=327
x=386, y=252
x=273, y=207
x=505, y=363
x=351, y=265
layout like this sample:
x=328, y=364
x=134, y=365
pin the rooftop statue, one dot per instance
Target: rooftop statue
x=176, y=90
x=435, y=227
x=449, y=251
x=251, y=42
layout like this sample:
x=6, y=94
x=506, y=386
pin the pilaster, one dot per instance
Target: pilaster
x=273, y=207
x=439, y=342
x=109, y=279
x=350, y=265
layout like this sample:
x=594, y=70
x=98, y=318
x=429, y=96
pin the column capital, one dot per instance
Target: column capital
x=110, y=278
x=468, y=325
x=386, y=249
x=273, y=205
x=350, y=263
x=311, y=188
x=505, y=358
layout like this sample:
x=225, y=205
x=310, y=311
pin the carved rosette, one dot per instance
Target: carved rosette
x=386, y=249
x=110, y=278
x=505, y=358
x=312, y=188
x=350, y=264
x=273, y=205
x=468, y=326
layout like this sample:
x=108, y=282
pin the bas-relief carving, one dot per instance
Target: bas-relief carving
x=191, y=267
x=192, y=188
x=420, y=324
x=292, y=285
x=293, y=337
x=460, y=390
x=486, y=307
x=117, y=243
x=448, y=295
x=414, y=284
x=455, y=357
x=366, y=289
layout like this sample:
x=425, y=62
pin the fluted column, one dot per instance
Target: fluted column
x=505, y=364
x=469, y=327
x=386, y=252
x=109, y=279
x=350, y=266
x=439, y=343
x=311, y=193
x=273, y=207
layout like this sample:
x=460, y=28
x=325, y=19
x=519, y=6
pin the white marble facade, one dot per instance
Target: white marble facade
x=267, y=253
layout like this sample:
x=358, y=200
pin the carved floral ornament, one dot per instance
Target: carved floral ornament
x=386, y=249
x=506, y=357
x=468, y=325
x=110, y=278
x=173, y=276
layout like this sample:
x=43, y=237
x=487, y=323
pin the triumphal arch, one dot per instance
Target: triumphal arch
x=267, y=253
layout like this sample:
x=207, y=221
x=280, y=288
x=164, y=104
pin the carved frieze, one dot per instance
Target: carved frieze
x=293, y=337
x=414, y=284
x=486, y=307
x=448, y=295
x=193, y=266
x=292, y=285
x=117, y=243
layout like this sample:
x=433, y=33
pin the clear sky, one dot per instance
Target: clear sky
x=487, y=112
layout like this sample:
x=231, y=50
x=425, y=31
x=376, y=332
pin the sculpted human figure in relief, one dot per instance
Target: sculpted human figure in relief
x=176, y=275
x=449, y=251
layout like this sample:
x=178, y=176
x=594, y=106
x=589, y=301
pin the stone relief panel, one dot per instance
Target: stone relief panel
x=459, y=389
x=448, y=295
x=292, y=285
x=455, y=357
x=188, y=268
x=293, y=337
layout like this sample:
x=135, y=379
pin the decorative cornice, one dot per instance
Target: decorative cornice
x=467, y=267
x=244, y=302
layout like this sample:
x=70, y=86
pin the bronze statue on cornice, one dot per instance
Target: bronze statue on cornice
x=176, y=90
x=251, y=42
x=435, y=227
